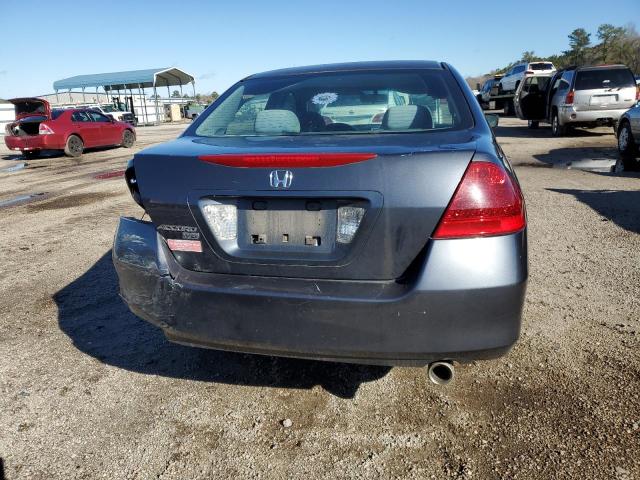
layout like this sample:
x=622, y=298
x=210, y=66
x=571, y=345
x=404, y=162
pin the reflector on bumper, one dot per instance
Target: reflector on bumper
x=184, y=245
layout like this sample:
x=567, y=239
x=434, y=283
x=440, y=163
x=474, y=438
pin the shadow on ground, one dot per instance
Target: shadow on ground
x=49, y=154
x=603, y=158
x=620, y=206
x=92, y=314
x=544, y=131
x=43, y=155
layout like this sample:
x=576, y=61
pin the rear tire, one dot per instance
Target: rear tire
x=508, y=108
x=533, y=124
x=31, y=154
x=627, y=147
x=128, y=139
x=74, y=146
x=557, y=130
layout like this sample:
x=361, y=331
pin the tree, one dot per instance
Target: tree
x=529, y=56
x=175, y=94
x=579, y=40
x=214, y=96
x=616, y=45
x=608, y=34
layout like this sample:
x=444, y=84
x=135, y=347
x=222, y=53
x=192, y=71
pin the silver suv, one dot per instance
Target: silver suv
x=578, y=97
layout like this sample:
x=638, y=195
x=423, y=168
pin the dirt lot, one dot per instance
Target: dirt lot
x=89, y=391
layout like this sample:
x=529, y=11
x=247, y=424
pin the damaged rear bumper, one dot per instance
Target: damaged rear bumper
x=464, y=304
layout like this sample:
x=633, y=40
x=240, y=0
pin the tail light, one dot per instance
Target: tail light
x=529, y=72
x=568, y=100
x=486, y=203
x=44, y=129
x=377, y=118
x=286, y=160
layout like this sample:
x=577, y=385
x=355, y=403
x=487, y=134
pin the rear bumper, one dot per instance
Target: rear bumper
x=34, y=142
x=569, y=115
x=464, y=304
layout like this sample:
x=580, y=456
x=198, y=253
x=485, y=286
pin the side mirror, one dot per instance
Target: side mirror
x=492, y=119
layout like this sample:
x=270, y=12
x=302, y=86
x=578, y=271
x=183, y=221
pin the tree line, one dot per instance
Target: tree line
x=609, y=45
x=199, y=97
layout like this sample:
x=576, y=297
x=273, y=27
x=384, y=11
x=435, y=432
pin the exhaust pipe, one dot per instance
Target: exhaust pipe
x=441, y=372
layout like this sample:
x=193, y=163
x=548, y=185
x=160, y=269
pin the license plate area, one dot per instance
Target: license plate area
x=241, y=248
x=296, y=225
x=603, y=99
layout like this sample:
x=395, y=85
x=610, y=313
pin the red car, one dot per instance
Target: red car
x=38, y=127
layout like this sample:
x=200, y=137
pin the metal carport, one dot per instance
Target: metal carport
x=128, y=80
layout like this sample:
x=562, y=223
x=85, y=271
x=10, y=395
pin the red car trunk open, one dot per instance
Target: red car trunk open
x=39, y=127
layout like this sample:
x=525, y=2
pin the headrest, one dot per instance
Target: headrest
x=312, y=122
x=407, y=117
x=274, y=122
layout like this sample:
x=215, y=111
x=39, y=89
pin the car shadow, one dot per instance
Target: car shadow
x=44, y=154
x=12, y=157
x=48, y=154
x=619, y=206
x=98, y=322
x=544, y=131
x=580, y=157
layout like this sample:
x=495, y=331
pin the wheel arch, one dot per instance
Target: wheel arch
x=66, y=139
x=623, y=121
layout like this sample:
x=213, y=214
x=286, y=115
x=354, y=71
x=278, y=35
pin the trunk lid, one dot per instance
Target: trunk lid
x=604, y=99
x=27, y=107
x=604, y=89
x=297, y=231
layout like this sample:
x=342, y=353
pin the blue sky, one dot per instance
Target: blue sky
x=220, y=42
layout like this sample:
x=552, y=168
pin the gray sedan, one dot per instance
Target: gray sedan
x=629, y=139
x=275, y=229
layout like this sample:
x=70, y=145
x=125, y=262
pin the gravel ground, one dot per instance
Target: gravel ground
x=89, y=391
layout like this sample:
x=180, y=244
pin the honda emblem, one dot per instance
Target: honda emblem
x=280, y=178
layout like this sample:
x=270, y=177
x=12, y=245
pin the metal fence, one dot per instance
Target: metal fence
x=7, y=115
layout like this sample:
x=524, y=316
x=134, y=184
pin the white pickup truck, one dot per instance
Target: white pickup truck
x=111, y=111
x=193, y=110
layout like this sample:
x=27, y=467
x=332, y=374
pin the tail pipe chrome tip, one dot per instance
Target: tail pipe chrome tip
x=441, y=372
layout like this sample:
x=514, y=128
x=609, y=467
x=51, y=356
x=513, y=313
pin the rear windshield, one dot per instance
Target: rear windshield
x=340, y=103
x=604, y=78
x=541, y=66
x=56, y=112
